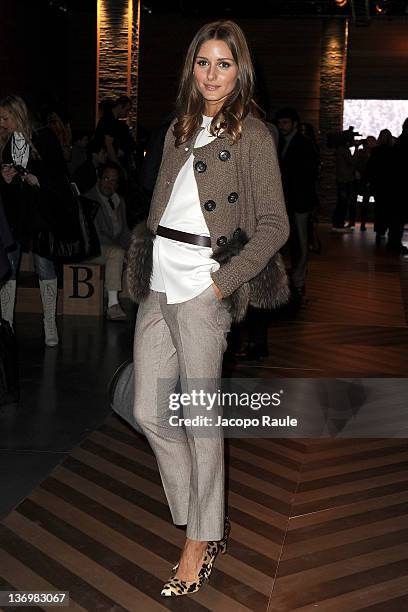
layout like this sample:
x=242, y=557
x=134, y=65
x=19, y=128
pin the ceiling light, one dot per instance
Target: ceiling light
x=381, y=7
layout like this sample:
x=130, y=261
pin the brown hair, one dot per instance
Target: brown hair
x=190, y=103
x=18, y=110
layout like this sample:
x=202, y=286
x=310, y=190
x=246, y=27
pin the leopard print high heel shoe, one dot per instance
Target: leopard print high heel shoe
x=175, y=587
x=223, y=543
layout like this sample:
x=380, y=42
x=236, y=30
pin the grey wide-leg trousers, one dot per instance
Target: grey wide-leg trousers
x=185, y=341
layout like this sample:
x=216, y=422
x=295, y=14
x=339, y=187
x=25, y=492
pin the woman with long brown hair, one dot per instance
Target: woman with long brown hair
x=216, y=223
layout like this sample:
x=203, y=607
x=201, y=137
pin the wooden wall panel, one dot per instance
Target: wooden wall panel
x=113, y=53
x=332, y=77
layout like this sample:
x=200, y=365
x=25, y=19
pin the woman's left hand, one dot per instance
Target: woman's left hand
x=217, y=292
x=31, y=179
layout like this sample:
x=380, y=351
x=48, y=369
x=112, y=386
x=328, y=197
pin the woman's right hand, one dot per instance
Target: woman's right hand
x=217, y=292
x=31, y=179
x=8, y=172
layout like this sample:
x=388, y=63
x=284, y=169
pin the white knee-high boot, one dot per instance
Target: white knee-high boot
x=49, y=294
x=7, y=300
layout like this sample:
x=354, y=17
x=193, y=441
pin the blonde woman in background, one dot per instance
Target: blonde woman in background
x=32, y=174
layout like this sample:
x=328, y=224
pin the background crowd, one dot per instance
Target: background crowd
x=45, y=168
x=372, y=171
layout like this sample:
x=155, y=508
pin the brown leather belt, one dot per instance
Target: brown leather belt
x=173, y=234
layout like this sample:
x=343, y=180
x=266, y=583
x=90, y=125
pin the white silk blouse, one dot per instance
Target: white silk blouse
x=180, y=270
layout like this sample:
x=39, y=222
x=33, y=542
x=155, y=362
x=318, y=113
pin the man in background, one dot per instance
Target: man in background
x=113, y=130
x=399, y=193
x=299, y=167
x=113, y=233
x=86, y=176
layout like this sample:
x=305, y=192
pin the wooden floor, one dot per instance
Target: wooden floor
x=316, y=524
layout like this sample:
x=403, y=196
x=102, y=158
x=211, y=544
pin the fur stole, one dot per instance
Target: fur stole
x=269, y=289
x=140, y=262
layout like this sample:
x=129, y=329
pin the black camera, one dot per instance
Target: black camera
x=20, y=169
x=340, y=139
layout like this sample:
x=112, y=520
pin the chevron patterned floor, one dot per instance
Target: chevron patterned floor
x=316, y=524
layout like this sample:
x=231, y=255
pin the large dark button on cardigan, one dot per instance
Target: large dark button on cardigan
x=233, y=197
x=224, y=155
x=200, y=166
x=237, y=232
x=222, y=240
x=210, y=205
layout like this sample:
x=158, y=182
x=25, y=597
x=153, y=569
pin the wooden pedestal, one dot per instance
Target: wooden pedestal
x=83, y=289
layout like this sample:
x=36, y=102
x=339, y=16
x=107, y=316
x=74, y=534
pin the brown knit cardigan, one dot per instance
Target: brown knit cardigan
x=241, y=197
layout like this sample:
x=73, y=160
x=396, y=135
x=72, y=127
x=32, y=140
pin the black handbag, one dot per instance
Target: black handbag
x=9, y=379
x=81, y=243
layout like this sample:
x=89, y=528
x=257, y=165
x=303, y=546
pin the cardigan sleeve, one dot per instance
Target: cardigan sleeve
x=272, y=226
x=167, y=146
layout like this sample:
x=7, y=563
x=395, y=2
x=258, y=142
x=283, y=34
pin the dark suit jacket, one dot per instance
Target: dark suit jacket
x=32, y=210
x=299, y=168
x=85, y=176
x=6, y=242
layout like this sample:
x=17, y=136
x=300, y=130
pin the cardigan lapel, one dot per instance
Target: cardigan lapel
x=174, y=159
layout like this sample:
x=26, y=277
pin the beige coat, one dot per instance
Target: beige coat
x=240, y=191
